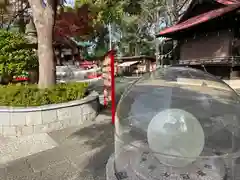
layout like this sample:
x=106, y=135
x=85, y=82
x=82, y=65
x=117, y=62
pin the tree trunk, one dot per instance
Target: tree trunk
x=44, y=19
x=21, y=22
x=47, y=67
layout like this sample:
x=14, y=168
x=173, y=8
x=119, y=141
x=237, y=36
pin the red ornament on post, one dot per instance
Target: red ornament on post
x=109, y=81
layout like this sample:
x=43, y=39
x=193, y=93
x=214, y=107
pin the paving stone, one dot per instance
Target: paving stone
x=56, y=155
x=93, y=160
x=16, y=148
x=62, y=171
x=19, y=168
x=41, y=161
x=83, y=160
x=83, y=175
x=99, y=174
x=101, y=158
x=2, y=173
x=64, y=135
x=33, y=176
x=89, y=175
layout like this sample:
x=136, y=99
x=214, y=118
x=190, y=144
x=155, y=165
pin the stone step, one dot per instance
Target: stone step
x=16, y=148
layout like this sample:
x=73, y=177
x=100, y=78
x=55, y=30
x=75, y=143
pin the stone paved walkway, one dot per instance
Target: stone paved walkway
x=81, y=154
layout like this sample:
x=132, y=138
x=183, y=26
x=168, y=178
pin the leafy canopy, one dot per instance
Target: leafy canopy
x=15, y=57
x=104, y=11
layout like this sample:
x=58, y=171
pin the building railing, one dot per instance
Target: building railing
x=231, y=60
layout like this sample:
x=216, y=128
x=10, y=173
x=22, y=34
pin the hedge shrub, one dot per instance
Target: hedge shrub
x=21, y=95
x=15, y=57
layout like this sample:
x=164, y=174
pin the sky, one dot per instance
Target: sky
x=69, y=3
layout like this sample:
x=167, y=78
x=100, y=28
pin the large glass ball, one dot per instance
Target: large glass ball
x=180, y=117
x=175, y=132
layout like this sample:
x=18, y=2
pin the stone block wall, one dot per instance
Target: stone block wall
x=42, y=119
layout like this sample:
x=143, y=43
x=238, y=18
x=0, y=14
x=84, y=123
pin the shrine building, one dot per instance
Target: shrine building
x=208, y=37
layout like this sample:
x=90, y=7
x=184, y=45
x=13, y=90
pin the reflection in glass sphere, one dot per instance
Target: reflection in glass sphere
x=176, y=133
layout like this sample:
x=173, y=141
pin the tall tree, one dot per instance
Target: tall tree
x=49, y=23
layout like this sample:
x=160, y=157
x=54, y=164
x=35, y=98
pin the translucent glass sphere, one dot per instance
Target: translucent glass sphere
x=175, y=132
x=177, y=118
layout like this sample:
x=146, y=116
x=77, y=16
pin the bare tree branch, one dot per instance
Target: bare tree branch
x=20, y=12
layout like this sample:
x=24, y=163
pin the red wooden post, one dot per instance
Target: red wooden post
x=113, y=86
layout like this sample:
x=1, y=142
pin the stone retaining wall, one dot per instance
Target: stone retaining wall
x=42, y=119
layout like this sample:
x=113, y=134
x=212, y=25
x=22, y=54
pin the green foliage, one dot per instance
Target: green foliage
x=14, y=56
x=106, y=11
x=133, y=7
x=31, y=95
x=133, y=24
x=138, y=27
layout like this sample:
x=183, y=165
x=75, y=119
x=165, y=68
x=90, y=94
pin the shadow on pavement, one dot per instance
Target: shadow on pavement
x=100, y=136
x=106, y=111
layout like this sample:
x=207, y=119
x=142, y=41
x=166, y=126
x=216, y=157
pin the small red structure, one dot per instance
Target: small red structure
x=208, y=36
x=109, y=81
x=86, y=64
x=93, y=76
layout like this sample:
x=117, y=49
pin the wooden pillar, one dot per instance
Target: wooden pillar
x=58, y=56
x=62, y=56
x=147, y=62
x=72, y=56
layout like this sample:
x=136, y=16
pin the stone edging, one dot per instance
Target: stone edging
x=20, y=121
